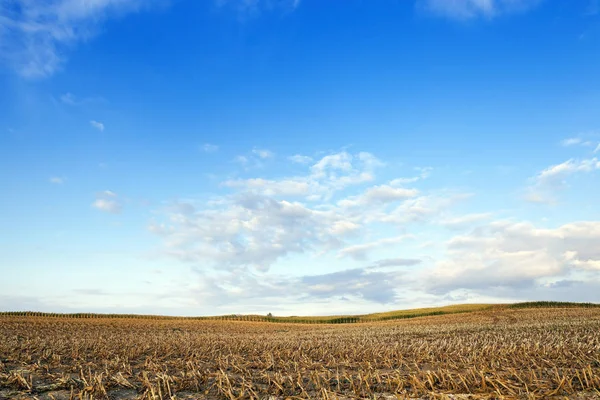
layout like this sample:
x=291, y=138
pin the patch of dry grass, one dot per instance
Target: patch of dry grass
x=495, y=353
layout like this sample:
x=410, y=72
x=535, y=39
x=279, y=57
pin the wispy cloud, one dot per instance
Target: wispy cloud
x=300, y=159
x=97, y=125
x=262, y=153
x=254, y=7
x=555, y=172
x=381, y=194
x=587, y=139
x=464, y=221
x=68, y=98
x=360, y=251
x=593, y=8
x=424, y=173
x=35, y=35
x=241, y=160
x=57, y=180
x=209, y=148
x=107, y=201
x=73, y=100
x=469, y=9
x=287, y=187
x=254, y=159
x=548, y=181
x=396, y=262
x=571, y=141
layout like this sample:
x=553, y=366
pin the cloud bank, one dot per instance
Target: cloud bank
x=338, y=211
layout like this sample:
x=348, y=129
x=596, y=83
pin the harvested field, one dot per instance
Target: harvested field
x=499, y=352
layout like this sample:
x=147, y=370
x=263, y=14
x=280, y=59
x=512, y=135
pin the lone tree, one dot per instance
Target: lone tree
x=269, y=315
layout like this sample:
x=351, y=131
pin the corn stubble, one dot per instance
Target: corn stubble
x=508, y=353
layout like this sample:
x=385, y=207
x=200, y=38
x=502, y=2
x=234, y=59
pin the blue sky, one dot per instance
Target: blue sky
x=297, y=157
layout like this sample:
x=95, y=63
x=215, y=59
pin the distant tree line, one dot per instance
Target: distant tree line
x=293, y=320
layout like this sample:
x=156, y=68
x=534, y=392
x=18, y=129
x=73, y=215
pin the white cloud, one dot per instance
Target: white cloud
x=396, y=262
x=286, y=187
x=572, y=257
x=343, y=228
x=424, y=173
x=597, y=149
x=468, y=9
x=585, y=139
x=340, y=170
x=360, y=251
x=57, y=180
x=533, y=196
x=369, y=160
x=248, y=230
x=322, y=181
x=299, y=159
x=404, y=181
x=209, y=148
x=332, y=212
x=109, y=206
x=97, y=125
x=516, y=254
x=569, y=167
x=419, y=209
x=571, y=141
x=264, y=220
x=386, y=194
x=335, y=212
x=334, y=162
x=553, y=178
x=464, y=221
x=262, y=153
x=35, y=35
x=241, y=159
x=344, y=162
x=379, y=195
x=255, y=159
x=107, y=201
